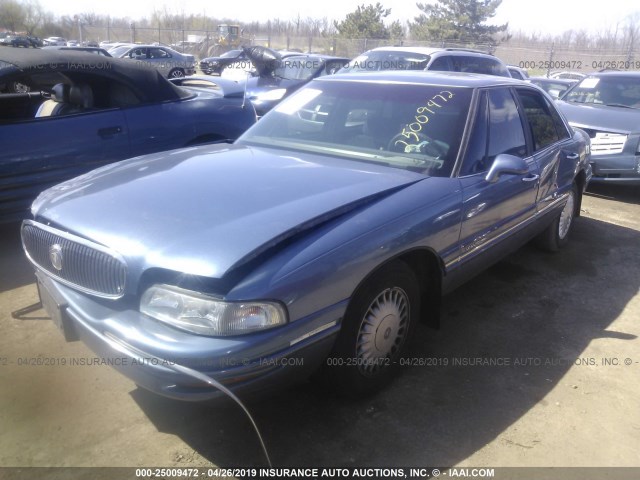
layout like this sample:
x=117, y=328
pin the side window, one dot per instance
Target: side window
x=158, y=53
x=473, y=64
x=541, y=122
x=441, y=64
x=138, y=53
x=561, y=128
x=506, y=134
x=476, y=156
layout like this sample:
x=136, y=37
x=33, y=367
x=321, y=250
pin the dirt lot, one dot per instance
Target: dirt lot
x=562, y=388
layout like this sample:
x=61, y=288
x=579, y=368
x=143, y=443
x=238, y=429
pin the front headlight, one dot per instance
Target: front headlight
x=205, y=315
x=271, y=95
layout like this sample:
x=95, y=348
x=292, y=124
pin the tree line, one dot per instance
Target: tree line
x=451, y=21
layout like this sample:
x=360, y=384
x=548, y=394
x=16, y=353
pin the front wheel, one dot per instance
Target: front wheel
x=556, y=235
x=376, y=328
x=176, y=73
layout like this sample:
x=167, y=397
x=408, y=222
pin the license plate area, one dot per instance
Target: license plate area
x=56, y=309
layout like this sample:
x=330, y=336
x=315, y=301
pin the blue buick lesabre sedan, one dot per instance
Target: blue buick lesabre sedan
x=316, y=242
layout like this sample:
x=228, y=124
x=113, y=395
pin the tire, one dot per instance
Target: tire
x=376, y=329
x=557, y=234
x=19, y=87
x=176, y=73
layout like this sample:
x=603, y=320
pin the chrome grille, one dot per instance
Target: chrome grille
x=75, y=261
x=604, y=143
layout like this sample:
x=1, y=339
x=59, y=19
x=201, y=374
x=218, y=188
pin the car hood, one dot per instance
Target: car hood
x=206, y=210
x=257, y=85
x=601, y=117
x=264, y=59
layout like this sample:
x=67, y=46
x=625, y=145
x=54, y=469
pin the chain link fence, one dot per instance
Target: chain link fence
x=538, y=58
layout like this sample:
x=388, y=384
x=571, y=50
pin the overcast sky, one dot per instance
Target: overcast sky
x=534, y=16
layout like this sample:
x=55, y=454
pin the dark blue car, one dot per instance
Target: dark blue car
x=316, y=242
x=80, y=111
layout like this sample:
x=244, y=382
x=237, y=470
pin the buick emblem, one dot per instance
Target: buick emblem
x=55, y=255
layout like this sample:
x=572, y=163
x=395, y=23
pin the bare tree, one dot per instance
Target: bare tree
x=12, y=15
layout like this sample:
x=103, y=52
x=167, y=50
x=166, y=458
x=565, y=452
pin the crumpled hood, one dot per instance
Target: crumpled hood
x=264, y=59
x=601, y=117
x=206, y=210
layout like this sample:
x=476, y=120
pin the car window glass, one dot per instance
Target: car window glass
x=561, y=128
x=298, y=68
x=414, y=127
x=541, y=123
x=138, y=53
x=476, y=156
x=472, y=64
x=158, y=53
x=516, y=74
x=441, y=64
x=506, y=134
x=606, y=90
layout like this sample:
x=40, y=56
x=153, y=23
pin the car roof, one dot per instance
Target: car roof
x=320, y=56
x=432, y=51
x=427, y=77
x=564, y=81
x=615, y=73
x=150, y=85
x=423, y=50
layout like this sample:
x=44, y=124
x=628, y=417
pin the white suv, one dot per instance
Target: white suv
x=422, y=58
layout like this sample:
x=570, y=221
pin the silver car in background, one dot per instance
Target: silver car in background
x=606, y=105
x=168, y=62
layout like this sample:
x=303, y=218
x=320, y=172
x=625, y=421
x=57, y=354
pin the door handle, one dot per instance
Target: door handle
x=109, y=131
x=573, y=156
x=531, y=178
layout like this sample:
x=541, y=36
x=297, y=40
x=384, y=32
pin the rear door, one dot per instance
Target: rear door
x=550, y=141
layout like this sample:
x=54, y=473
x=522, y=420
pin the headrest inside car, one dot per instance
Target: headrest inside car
x=80, y=94
x=60, y=93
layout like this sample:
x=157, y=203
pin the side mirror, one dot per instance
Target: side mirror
x=505, y=164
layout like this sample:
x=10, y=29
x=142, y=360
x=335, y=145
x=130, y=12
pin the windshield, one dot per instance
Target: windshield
x=612, y=91
x=387, y=60
x=407, y=126
x=231, y=54
x=298, y=68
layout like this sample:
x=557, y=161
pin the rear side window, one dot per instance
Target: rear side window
x=545, y=129
x=478, y=64
x=441, y=64
x=158, y=53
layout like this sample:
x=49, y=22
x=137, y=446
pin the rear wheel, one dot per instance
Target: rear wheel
x=556, y=235
x=375, y=331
